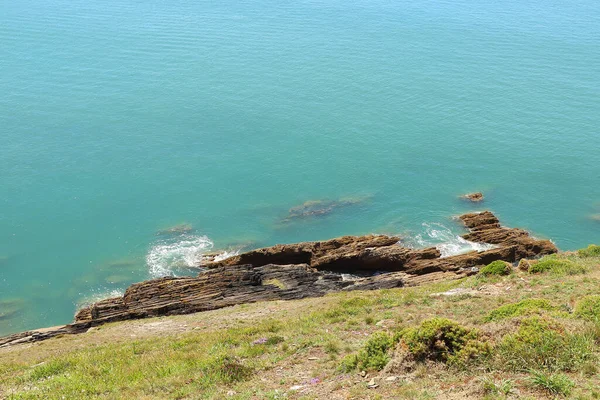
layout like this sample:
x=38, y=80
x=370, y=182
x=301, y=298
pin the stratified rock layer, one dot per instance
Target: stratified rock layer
x=295, y=271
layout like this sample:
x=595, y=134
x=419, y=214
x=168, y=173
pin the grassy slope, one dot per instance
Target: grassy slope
x=221, y=354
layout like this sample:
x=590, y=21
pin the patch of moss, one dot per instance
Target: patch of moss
x=440, y=339
x=557, y=266
x=543, y=344
x=588, y=308
x=522, y=308
x=496, y=268
x=591, y=251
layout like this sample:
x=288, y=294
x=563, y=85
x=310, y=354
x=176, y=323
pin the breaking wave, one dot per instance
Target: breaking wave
x=449, y=243
x=96, y=295
x=181, y=254
x=168, y=255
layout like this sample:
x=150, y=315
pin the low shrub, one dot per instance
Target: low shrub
x=349, y=363
x=588, y=308
x=496, y=268
x=374, y=354
x=557, y=266
x=591, y=251
x=541, y=343
x=522, y=308
x=440, y=339
x=556, y=384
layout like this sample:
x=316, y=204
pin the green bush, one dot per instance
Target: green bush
x=588, y=308
x=349, y=363
x=541, y=343
x=374, y=354
x=440, y=339
x=556, y=384
x=524, y=307
x=496, y=268
x=557, y=266
x=591, y=251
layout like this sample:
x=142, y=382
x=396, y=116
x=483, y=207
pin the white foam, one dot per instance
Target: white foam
x=226, y=254
x=97, y=295
x=183, y=252
x=446, y=241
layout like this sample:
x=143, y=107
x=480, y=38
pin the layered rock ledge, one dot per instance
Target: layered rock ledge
x=308, y=269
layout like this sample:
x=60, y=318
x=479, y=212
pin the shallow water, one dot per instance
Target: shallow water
x=119, y=119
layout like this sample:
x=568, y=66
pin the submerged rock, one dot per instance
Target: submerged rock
x=474, y=197
x=10, y=308
x=595, y=217
x=176, y=230
x=316, y=208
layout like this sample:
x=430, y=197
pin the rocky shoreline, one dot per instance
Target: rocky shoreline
x=301, y=270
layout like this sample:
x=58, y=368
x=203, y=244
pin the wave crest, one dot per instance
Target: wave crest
x=184, y=252
x=446, y=241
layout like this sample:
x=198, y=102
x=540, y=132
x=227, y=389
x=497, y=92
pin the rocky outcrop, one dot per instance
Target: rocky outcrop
x=295, y=271
x=360, y=254
x=474, y=197
x=351, y=254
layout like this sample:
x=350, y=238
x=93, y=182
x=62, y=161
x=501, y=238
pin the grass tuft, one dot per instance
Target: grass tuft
x=522, y=308
x=556, y=384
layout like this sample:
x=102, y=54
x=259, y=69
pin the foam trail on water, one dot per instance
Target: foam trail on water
x=446, y=241
x=97, y=295
x=183, y=252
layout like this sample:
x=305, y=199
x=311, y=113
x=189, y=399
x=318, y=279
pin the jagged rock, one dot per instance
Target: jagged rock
x=485, y=228
x=296, y=271
x=343, y=254
x=474, y=197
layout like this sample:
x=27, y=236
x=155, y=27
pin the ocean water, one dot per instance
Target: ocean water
x=121, y=119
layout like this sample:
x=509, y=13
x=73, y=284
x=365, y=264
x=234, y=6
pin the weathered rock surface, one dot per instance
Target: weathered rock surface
x=343, y=254
x=296, y=271
x=474, y=197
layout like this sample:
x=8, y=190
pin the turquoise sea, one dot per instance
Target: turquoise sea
x=119, y=119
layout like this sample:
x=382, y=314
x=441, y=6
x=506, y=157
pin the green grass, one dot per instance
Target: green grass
x=545, y=344
x=588, y=308
x=524, y=307
x=556, y=384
